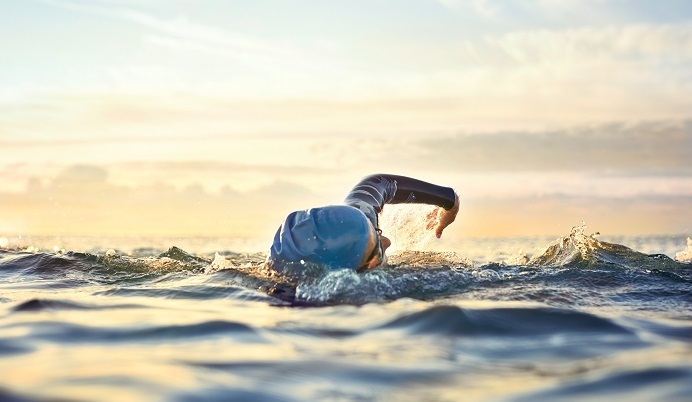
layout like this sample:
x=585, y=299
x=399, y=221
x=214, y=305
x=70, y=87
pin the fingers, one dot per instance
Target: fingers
x=442, y=217
x=432, y=219
x=439, y=218
x=430, y=225
x=445, y=219
x=440, y=227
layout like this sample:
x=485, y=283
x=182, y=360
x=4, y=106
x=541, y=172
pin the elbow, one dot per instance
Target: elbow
x=373, y=178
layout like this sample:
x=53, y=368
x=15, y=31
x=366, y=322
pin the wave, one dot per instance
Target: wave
x=50, y=305
x=663, y=383
x=64, y=332
x=579, y=249
x=452, y=320
x=577, y=268
x=569, y=269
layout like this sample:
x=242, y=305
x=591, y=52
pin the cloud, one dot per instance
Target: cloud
x=81, y=200
x=184, y=35
x=251, y=179
x=586, y=72
x=218, y=79
x=586, y=44
x=568, y=12
x=203, y=167
x=484, y=8
x=645, y=148
x=91, y=205
x=625, y=159
x=83, y=175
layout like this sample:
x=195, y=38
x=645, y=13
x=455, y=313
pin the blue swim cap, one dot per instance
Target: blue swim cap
x=334, y=236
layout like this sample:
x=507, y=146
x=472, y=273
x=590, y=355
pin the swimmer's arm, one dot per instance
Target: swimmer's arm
x=409, y=190
x=374, y=191
x=418, y=191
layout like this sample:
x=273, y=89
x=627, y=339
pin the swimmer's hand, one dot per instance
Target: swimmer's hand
x=440, y=218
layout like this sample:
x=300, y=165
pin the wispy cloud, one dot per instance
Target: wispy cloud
x=645, y=148
x=568, y=12
x=584, y=45
x=182, y=34
x=180, y=27
x=202, y=167
x=485, y=8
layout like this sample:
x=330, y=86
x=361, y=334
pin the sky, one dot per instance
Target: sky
x=193, y=118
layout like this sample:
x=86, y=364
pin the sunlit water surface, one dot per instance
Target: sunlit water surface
x=524, y=319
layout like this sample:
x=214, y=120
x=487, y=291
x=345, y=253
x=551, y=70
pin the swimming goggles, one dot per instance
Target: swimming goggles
x=376, y=252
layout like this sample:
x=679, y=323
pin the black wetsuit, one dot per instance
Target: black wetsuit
x=374, y=191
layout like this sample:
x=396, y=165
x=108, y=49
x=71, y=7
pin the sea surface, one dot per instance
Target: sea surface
x=577, y=317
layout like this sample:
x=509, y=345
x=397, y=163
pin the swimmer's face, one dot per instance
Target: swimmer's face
x=374, y=251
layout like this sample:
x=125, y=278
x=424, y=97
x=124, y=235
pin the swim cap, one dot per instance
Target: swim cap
x=334, y=236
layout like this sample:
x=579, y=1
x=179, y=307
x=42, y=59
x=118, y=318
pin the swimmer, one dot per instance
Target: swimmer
x=348, y=236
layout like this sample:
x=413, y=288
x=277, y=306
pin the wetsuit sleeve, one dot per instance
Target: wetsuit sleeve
x=373, y=192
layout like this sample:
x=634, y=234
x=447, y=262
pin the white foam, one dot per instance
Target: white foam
x=686, y=254
x=220, y=262
x=32, y=249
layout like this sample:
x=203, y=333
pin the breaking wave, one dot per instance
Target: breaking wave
x=577, y=268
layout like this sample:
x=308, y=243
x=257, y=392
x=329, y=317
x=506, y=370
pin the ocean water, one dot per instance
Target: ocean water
x=577, y=317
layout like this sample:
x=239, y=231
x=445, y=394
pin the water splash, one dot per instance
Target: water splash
x=405, y=225
x=422, y=259
x=686, y=254
x=346, y=286
x=577, y=246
